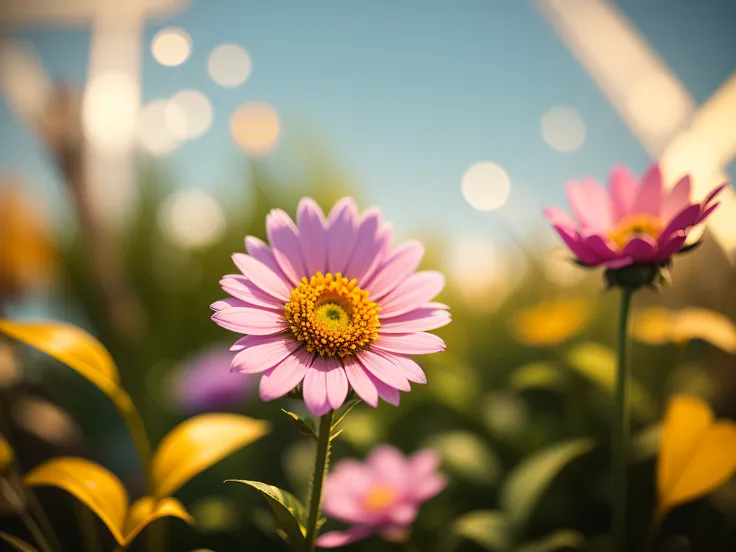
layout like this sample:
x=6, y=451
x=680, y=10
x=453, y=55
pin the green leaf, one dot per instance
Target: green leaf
x=18, y=544
x=536, y=375
x=467, y=456
x=528, y=481
x=304, y=425
x=645, y=444
x=286, y=507
x=348, y=407
x=597, y=364
x=564, y=539
x=487, y=528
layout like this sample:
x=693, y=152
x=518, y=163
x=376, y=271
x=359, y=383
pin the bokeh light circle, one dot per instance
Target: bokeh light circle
x=171, y=46
x=109, y=111
x=154, y=127
x=192, y=218
x=197, y=111
x=563, y=128
x=229, y=65
x=255, y=128
x=486, y=186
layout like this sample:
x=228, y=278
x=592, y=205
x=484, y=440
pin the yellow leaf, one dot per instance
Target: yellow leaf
x=70, y=345
x=146, y=510
x=710, y=326
x=6, y=455
x=90, y=483
x=197, y=443
x=697, y=454
x=550, y=323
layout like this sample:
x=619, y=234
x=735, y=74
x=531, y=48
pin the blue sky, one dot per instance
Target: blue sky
x=405, y=95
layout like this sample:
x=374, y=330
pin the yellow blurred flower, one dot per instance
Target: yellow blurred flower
x=550, y=323
x=697, y=454
x=27, y=256
x=659, y=325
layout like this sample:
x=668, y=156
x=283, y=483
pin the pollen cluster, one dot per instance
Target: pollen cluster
x=332, y=315
x=635, y=225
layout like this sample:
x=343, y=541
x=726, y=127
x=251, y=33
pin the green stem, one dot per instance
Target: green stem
x=321, y=465
x=620, y=440
x=87, y=528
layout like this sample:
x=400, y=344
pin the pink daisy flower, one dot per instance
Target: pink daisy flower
x=634, y=222
x=382, y=495
x=331, y=305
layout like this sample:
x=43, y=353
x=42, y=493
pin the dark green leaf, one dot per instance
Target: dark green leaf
x=528, y=481
x=18, y=544
x=304, y=425
x=286, y=507
x=487, y=528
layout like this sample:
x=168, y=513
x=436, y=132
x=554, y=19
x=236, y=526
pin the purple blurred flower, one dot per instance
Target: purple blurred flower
x=205, y=382
x=382, y=495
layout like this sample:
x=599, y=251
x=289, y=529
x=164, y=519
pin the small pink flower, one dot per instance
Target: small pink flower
x=635, y=222
x=382, y=495
x=331, y=305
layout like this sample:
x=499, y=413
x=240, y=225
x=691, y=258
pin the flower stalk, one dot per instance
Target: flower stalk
x=321, y=465
x=621, y=426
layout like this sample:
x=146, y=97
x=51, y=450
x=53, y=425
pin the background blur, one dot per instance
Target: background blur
x=142, y=140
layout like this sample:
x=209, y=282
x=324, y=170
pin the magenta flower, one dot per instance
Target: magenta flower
x=382, y=495
x=203, y=383
x=331, y=305
x=635, y=222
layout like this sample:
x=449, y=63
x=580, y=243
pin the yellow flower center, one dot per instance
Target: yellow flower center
x=632, y=226
x=332, y=315
x=379, y=497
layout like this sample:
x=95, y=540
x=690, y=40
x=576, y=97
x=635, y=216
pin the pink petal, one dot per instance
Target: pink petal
x=648, y=197
x=228, y=303
x=385, y=237
x=421, y=343
x=370, y=246
x=619, y=263
x=683, y=221
x=602, y=246
x=558, y=217
x=335, y=380
x=386, y=392
x=711, y=196
x=315, y=391
x=262, y=276
x=349, y=477
x=421, y=319
x=416, y=290
x=262, y=352
x=590, y=204
x=359, y=381
x=286, y=246
x=401, y=263
x=403, y=514
x=278, y=381
x=708, y=211
x=575, y=243
x=345, y=506
x=389, y=464
x=641, y=248
x=424, y=463
x=623, y=187
x=341, y=234
x=258, y=249
x=245, y=290
x=250, y=321
x=336, y=539
x=382, y=369
x=677, y=199
x=671, y=245
x=429, y=486
x=312, y=236
x=410, y=369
